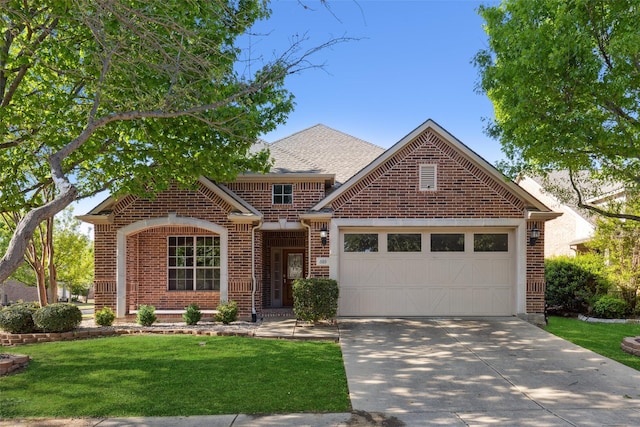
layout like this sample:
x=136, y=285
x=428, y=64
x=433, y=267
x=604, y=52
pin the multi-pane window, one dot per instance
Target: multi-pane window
x=194, y=263
x=491, y=242
x=282, y=194
x=450, y=242
x=404, y=242
x=361, y=242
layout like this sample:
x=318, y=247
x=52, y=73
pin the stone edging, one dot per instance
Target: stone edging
x=597, y=320
x=10, y=363
x=631, y=345
x=7, y=339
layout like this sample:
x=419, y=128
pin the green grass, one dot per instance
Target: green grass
x=602, y=338
x=175, y=376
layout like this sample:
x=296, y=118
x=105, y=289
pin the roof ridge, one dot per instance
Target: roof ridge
x=321, y=125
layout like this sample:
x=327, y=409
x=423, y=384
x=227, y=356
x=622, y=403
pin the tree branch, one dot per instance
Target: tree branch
x=596, y=209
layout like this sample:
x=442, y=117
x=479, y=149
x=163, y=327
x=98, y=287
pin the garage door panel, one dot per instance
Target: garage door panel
x=428, y=283
x=492, y=272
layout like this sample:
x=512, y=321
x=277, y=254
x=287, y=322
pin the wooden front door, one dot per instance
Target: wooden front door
x=292, y=269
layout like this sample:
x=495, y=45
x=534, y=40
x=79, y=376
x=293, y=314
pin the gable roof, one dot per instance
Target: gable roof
x=321, y=149
x=242, y=210
x=531, y=203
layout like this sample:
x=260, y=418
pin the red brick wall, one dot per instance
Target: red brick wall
x=535, y=270
x=259, y=195
x=146, y=255
x=463, y=189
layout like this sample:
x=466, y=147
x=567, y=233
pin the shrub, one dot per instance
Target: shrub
x=18, y=318
x=610, y=307
x=59, y=317
x=315, y=299
x=146, y=315
x=105, y=317
x=193, y=315
x=573, y=284
x=227, y=312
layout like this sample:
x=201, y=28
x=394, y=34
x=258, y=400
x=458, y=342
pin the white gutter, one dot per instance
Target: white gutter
x=308, y=227
x=253, y=268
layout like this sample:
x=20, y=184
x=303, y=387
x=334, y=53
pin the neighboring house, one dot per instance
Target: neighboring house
x=12, y=291
x=425, y=228
x=568, y=234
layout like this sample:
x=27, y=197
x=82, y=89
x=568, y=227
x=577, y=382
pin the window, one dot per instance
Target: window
x=427, y=177
x=282, y=194
x=491, y=242
x=452, y=242
x=404, y=242
x=194, y=263
x=364, y=242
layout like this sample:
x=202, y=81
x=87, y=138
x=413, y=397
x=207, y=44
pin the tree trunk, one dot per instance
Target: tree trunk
x=27, y=226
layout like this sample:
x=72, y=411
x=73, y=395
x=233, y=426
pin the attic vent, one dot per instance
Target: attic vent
x=427, y=177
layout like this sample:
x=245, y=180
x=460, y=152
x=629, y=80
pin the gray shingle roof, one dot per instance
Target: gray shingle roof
x=320, y=149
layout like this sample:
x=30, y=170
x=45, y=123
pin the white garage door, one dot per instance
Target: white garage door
x=435, y=272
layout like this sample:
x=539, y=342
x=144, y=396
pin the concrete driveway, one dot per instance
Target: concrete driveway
x=490, y=371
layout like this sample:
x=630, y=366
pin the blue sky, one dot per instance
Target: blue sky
x=412, y=62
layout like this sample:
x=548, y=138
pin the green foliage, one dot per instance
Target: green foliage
x=192, y=315
x=619, y=240
x=105, y=317
x=157, y=84
x=563, y=80
x=59, y=317
x=574, y=283
x=146, y=315
x=610, y=307
x=315, y=299
x=73, y=253
x=227, y=312
x=18, y=318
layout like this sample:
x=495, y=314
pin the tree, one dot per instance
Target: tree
x=564, y=79
x=74, y=254
x=619, y=241
x=129, y=96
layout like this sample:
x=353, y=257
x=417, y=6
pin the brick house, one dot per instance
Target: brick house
x=425, y=228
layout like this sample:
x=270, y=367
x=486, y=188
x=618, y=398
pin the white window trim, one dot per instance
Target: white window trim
x=194, y=267
x=433, y=171
x=273, y=194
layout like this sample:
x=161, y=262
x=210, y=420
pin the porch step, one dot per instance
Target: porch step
x=286, y=312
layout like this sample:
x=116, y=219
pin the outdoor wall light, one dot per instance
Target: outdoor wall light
x=534, y=236
x=323, y=234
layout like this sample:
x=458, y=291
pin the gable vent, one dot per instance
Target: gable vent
x=427, y=177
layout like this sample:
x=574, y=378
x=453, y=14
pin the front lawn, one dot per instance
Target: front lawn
x=175, y=375
x=602, y=338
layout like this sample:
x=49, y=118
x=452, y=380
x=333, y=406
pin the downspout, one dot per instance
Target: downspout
x=254, y=314
x=308, y=227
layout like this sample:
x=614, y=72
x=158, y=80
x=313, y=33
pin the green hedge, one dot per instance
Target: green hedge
x=574, y=284
x=18, y=318
x=59, y=317
x=227, y=312
x=315, y=299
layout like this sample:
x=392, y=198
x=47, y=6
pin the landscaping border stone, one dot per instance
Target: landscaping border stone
x=10, y=340
x=10, y=363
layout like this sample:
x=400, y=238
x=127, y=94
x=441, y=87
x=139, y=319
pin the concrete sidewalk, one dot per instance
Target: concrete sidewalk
x=290, y=328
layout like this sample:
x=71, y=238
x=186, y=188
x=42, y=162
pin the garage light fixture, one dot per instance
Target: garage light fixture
x=323, y=234
x=534, y=236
